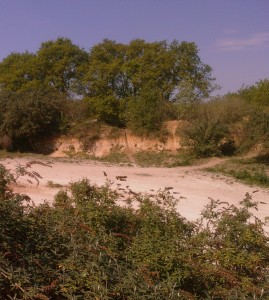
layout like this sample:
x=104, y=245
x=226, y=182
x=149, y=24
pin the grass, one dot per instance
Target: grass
x=6, y=154
x=52, y=184
x=115, y=157
x=249, y=171
x=162, y=159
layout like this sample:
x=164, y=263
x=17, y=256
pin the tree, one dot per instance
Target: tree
x=146, y=112
x=122, y=72
x=17, y=71
x=58, y=65
x=55, y=65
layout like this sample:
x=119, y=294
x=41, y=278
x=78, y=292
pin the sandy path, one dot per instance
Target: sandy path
x=191, y=184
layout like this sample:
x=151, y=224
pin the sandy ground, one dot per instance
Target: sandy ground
x=191, y=185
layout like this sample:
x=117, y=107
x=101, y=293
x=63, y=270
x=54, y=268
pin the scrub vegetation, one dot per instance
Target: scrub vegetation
x=86, y=246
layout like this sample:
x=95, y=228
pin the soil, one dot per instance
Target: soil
x=191, y=184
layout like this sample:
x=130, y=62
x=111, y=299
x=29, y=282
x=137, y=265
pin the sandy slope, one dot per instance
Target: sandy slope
x=191, y=185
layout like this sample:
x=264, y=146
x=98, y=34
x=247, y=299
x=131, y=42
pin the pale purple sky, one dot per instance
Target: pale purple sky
x=232, y=35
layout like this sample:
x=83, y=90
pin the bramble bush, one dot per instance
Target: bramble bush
x=86, y=246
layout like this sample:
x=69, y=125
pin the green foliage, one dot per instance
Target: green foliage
x=206, y=133
x=58, y=65
x=162, y=159
x=123, y=70
x=118, y=74
x=85, y=246
x=54, y=65
x=17, y=71
x=112, y=76
x=257, y=93
x=224, y=126
x=255, y=131
x=29, y=116
x=250, y=171
x=146, y=112
x=109, y=109
x=204, y=137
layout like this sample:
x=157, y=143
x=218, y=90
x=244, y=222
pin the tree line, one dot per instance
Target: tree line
x=137, y=86
x=131, y=85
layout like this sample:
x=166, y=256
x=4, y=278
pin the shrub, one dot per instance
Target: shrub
x=30, y=116
x=85, y=246
x=211, y=127
x=255, y=131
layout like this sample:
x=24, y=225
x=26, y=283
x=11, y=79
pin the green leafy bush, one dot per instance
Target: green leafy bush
x=255, y=132
x=86, y=246
x=257, y=93
x=224, y=126
x=30, y=116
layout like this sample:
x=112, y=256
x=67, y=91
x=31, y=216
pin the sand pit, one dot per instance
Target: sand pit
x=191, y=185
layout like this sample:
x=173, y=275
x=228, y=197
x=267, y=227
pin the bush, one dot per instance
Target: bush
x=85, y=246
x=211, y=130
x=30, y=116
x=257, y=94
x=255, y=132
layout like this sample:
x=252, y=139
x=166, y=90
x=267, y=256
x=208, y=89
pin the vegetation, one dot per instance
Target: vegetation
x=225, y=126
x=30, y=116
x=54, y=65
x=63, y=89
x=257, y=93
x=85, y=246
x=250, y=171
x=113, y=78
x=162, y=159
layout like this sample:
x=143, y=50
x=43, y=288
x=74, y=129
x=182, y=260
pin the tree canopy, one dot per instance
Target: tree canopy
x=109, y=68
x=54, y=65
x=123, y=70
x=123, y=83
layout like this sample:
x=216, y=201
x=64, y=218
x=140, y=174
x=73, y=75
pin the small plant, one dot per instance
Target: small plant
x=52, y=184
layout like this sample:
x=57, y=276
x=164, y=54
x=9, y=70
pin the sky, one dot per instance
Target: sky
x=232, y=35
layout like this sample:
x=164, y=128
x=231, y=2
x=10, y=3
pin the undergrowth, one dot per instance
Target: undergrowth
x=86, y=246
